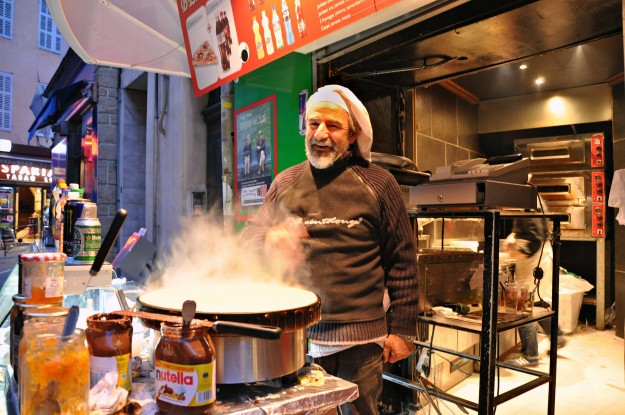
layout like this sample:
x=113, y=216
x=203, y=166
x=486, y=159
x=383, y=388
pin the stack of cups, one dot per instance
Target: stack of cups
x=516, y=298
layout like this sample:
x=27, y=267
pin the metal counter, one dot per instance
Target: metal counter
x=263, y=398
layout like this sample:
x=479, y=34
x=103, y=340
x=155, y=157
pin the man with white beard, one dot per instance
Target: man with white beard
x=347, y=221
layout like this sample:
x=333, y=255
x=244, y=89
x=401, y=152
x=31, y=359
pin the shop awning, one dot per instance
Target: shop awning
x=147, y=34
x=137, y=34
x=56, y=105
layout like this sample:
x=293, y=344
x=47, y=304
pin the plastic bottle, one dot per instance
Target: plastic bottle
x=277, y=29
x=260, y=51
x=301, y=25
x=286, y=16
x=267, y=34
x=59, y=210
x=57, y=193
x=222, y=42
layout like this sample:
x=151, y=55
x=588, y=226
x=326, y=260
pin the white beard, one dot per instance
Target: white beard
x=323, y=160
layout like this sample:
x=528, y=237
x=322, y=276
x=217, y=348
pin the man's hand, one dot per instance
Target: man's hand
x=283, y=243
x=396, y=349
x=285, y=237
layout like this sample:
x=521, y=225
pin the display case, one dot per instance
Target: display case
x=464, y=236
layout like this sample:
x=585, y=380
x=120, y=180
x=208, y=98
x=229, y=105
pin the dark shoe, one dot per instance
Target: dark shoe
x=523, y=361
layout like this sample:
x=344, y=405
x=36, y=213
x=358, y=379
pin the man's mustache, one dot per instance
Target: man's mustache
x=322, y=143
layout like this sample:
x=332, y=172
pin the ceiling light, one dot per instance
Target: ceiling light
x=557, y=106
x=523, y=66
x=539, y=81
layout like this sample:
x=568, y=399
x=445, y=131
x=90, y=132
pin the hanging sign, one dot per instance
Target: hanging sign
x=226, y=39
x=25, y=171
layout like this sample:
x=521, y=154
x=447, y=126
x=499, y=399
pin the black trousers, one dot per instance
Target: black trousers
x=362, y=365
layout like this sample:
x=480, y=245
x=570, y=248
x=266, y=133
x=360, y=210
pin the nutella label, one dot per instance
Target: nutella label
x=117, y=366
x=185, y=385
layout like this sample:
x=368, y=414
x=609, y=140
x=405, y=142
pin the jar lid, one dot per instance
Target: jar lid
x=26, y=306
x=50, y=311
x=18, y=298
x=43, y=256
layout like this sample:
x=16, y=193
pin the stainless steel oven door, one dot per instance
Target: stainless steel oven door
x=568, y=193
x=562, y=152
x=576, y=216
x=562, y=191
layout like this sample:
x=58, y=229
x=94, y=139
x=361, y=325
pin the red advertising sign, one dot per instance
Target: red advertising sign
x=226, y=39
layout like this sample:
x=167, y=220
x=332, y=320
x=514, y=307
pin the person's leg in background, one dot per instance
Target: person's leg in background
x=545, y=344
x=362, y=365
x=529, y=347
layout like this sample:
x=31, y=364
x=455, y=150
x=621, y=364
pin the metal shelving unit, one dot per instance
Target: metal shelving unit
x=489, y=328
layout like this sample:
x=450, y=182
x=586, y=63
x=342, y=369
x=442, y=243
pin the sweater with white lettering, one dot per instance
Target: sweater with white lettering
x=361, y=242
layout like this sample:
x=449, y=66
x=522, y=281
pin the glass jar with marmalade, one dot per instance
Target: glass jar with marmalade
x=184, y=362
x=43, y=275
x=54, y=370
x=17, y=324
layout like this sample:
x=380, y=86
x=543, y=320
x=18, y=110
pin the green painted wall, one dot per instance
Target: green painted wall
x=285, y=78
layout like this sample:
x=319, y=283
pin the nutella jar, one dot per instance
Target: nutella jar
x=109, y=339
x=184, y=362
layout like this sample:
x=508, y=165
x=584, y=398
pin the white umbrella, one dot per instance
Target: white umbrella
x=137, y=34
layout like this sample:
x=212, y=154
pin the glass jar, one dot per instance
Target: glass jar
x=109, y=340
x=43, y=277
x=54, y=371
x=184, y=362
x=17, y=325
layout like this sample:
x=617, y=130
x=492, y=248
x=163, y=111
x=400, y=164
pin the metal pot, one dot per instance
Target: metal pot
x=244, y=358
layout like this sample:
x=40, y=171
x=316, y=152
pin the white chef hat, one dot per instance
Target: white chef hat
x=346, y=99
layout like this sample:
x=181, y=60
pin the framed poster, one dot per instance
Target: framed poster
x=255, y=160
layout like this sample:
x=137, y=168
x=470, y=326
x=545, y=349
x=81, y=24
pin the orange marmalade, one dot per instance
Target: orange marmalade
x=52, y=368
x=43, y=275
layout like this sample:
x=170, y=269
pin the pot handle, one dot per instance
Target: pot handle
x=244, y=329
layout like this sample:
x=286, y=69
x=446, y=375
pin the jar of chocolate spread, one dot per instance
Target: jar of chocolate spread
x=109, y=339
x=184, y=362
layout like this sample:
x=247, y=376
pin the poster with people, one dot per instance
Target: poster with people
x=255, y=155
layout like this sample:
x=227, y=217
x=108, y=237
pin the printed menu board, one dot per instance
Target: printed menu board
x=226, y=39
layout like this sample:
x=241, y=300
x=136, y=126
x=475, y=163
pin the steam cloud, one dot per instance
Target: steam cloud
x=205, y=252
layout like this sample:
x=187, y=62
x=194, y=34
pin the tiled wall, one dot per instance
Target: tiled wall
x=445, y=128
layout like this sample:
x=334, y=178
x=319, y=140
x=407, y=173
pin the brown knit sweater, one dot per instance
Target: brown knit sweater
x=360, y=242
